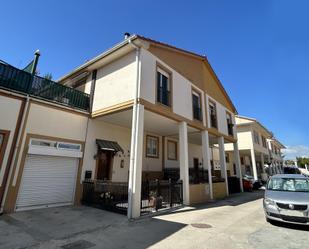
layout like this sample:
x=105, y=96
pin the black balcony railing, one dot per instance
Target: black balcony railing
x=18, y=80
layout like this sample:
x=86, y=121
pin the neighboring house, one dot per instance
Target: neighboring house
x=156, y=112
x=259, y=151
x=275, y=156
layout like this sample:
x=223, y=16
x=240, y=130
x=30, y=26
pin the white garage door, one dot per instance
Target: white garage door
x=47, y=181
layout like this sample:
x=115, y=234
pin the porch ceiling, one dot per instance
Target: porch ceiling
x=154, y=123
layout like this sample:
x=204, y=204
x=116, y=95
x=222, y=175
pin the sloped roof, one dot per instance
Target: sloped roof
x=199, y=57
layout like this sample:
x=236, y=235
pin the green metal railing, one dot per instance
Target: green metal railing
x=21, y=81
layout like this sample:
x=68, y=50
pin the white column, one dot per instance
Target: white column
x=223, y=162
x=253, y=164
x=238, y=165
x=184, y=161
x=206, y=159
x=136, y=162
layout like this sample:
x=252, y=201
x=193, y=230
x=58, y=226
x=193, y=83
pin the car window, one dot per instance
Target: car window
x=288, y=184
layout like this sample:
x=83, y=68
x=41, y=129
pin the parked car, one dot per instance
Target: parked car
x=255, y=184
x=287, y=199
x=291, y=170
x=247, y=183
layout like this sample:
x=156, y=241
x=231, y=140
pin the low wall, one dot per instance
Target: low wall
x=219, y=190
x=199, y=193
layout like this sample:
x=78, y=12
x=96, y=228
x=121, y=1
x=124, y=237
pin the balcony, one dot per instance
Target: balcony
x=12, y=78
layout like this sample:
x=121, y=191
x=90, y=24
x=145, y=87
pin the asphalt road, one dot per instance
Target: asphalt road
x=237, y=222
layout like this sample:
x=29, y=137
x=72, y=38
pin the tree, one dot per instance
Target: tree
x=48, y=76
x=302, y=161
x=289, y=162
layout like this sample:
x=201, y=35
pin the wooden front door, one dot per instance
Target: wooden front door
x=104, y=164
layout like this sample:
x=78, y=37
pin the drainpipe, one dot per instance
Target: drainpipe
x=133, y=132
x=19, y=129
x=15, y=156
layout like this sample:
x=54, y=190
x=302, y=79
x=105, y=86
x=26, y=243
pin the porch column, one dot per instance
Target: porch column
x=238, y=165
x=206, y=159
x=184, y=161
x=262, y=162
x=253, y=164
x=223, y=162
x=136, y=160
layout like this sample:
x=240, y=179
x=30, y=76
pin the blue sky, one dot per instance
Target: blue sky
x=258, y=48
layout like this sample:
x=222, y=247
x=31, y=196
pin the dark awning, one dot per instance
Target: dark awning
x=108, y=145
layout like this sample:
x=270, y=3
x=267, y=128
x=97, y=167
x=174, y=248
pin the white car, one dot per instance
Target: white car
x=287, y=199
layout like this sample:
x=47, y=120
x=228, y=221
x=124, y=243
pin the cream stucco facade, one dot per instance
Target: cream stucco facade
x=154, y=139
x=255, y=143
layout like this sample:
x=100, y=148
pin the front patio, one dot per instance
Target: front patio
x=173, y=172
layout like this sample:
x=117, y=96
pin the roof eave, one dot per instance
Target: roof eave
x=97, y=58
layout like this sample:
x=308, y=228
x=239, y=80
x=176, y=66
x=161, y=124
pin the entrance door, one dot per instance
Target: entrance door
x=104, y=170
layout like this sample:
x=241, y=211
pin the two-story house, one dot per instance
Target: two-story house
x=275, y=156
x=257, y=149
x=140, y=111
x=162, y=108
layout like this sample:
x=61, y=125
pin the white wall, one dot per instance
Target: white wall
x=221, y=116
x=122, y=135
x=181, y=89
x=149, y=163
x=115, y=82
x=9, y=110
x=102, y=130
x=194, y=151
x=51, y=122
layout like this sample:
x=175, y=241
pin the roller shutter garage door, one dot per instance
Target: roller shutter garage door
x=47, y=181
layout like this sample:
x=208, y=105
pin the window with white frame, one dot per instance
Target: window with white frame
x=171, y=150
x=197, y=105
x=256, y=137
x=213, y=114
x=264, y=143
x=163, y=87
x=229, y=124
x=152, y=146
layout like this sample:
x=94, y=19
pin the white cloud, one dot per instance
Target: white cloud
x=296, y=151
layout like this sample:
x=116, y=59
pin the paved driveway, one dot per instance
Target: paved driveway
x=237, y=222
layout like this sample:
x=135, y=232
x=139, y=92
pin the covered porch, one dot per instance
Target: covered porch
x=167, y=163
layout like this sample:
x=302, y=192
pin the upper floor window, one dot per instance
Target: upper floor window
x=152, y=146
x=256, y=137
x=163, y=87
x=197, y=105
x=213, y=114
x=230, y=124
x=264, y=142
